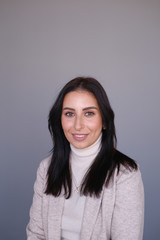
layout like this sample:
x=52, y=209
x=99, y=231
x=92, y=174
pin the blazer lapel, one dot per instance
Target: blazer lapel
x=91, y=211
x=55, y=210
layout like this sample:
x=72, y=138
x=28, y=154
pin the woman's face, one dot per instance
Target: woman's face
x=81, y=118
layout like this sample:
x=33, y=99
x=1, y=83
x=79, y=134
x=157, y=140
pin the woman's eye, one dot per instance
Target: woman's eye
x=69, y=114
x=89, y=114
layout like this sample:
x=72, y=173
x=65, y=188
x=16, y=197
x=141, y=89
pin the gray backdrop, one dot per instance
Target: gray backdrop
x=45, y=43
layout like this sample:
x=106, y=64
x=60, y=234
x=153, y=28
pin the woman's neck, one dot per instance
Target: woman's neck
x=81, y=159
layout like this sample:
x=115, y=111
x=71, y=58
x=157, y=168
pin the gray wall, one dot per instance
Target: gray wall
x=43, y=44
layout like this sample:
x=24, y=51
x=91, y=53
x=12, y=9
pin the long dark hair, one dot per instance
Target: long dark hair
x=108, y=158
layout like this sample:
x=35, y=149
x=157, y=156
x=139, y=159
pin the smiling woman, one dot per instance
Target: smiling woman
x=86, y=189
x=81, y=118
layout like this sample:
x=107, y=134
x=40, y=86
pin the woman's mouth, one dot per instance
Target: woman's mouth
x=79, y=137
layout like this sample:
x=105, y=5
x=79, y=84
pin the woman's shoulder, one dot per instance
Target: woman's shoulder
x=44, y=164
x=46, y=161
x=124, y=162
x=127, y=168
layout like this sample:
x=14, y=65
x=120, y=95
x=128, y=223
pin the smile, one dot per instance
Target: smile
x=79, y=137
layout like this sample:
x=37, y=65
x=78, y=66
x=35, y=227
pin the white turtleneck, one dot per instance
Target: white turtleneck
x=80, y=160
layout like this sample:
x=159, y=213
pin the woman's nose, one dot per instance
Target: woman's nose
x=78, y=123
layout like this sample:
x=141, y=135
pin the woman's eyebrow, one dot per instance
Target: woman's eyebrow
x=88, y=108
x=68, y=108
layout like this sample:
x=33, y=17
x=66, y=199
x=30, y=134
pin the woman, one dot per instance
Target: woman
x=86, y=189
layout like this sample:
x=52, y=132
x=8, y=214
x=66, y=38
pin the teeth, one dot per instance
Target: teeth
x=79, y=135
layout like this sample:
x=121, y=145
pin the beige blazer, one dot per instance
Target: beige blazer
x=117, y=215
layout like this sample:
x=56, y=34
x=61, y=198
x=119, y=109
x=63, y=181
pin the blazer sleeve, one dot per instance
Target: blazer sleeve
x=35, y=229
x=128, y=215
